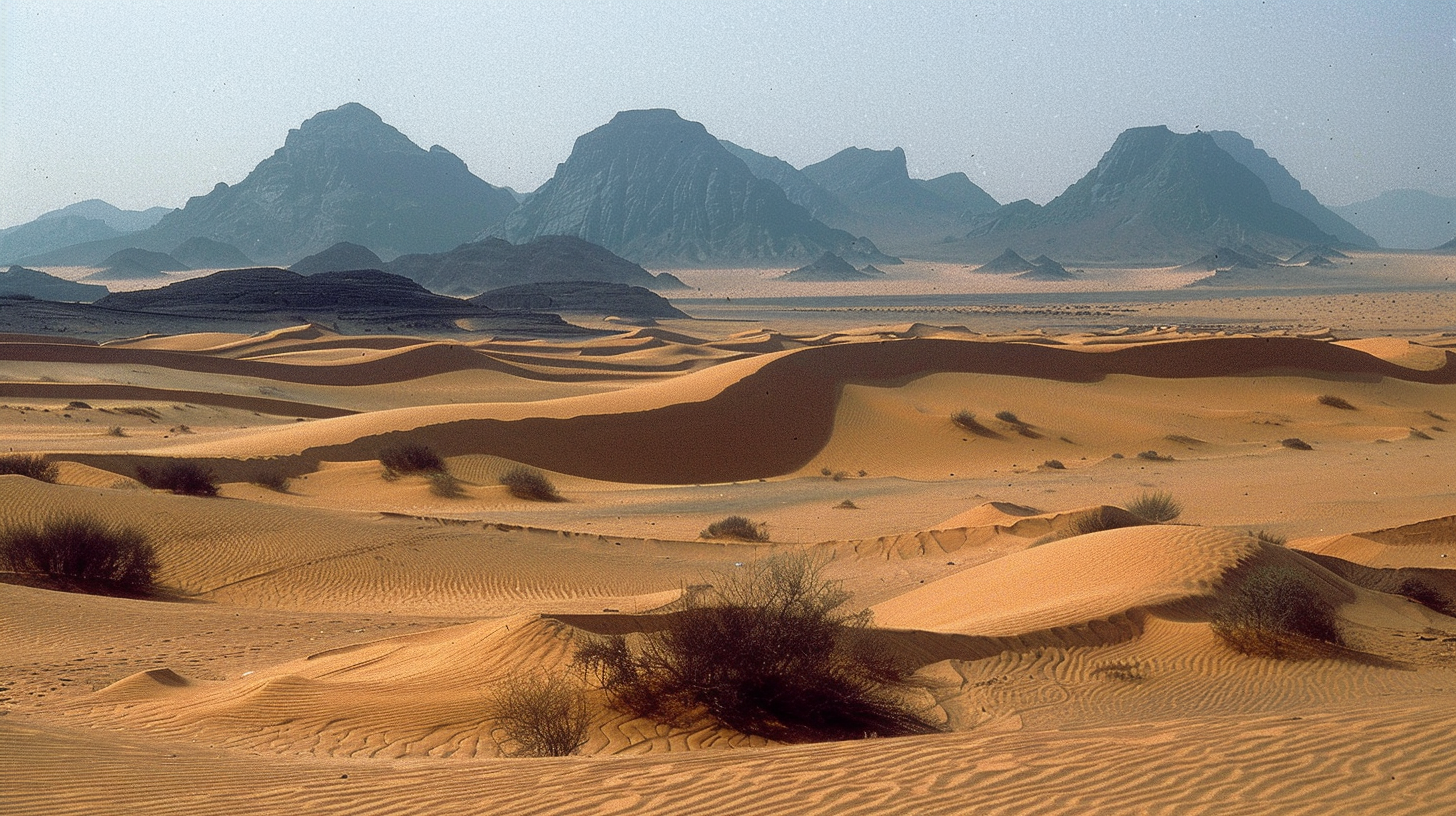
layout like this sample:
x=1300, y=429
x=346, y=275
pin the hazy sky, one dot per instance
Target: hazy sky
x=148, y=103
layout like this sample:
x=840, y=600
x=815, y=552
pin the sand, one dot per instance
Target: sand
x=332, y=648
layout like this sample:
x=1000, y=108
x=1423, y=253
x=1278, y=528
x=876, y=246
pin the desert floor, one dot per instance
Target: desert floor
x=332, y=648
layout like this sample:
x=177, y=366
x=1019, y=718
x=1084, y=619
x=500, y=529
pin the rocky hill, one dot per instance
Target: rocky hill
x=580, y=297
x=657, y=189
x=341, y=257
x=829, y=268
x=493, y=263
x=32, y=283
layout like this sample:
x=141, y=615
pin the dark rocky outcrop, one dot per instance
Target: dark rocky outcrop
x=829, y=268
x=340, y=257
x=1404, y=219
x=137, y=264
x=205, y=253
x=493, y=263
x=343, y=175
x=32, y=283
x=580, y=297
x=1286, y=190
x=1156, y=197
x=657, y=189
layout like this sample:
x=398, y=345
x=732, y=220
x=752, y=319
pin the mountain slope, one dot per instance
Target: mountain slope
x=483, y=266
x=658, y=189
x=1404, y=219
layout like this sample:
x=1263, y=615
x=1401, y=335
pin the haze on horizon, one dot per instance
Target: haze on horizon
x=145, y=104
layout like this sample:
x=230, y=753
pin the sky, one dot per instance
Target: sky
x=148, y=103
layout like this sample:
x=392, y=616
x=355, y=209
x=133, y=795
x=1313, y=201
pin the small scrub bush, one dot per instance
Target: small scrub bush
x=847, y=504
x=966, y=421
x=1336, y=402
x=28, y=464
x=1009, y=418
x=736, y=527
x=81, y=548
x=271, y=479
x=1417, y=433
x=1272, y=539
x=1154, y=456
x=767, y=650
x=1156, y=506
x=444, y=485
x=1295, y=443
x=1436, y=416
x=532, y=485
x=542, y=716
x=1277, y=612
x=116, y=430
x=1054, y=464
x=1102, y=518
x=181, y=477
x=1426, y=595
x=1128, y=671
x=410, y=458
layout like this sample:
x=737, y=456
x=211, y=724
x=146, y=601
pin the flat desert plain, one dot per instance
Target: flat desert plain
x=333, y=646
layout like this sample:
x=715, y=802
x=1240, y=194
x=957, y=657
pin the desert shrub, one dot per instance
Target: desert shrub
x=181, y=477
x=847, y=504
x=116, y=430
x=530, y=484
x=1054, y=464
x=736, y=527
x=1009, y=418
x=1336, y=402
x=444, y=485
x=1436, y=416
x=543, y=716
x=1272, y=539
x=1154, y=456
x=1102, y=518
x=1157, y=506
x=28, y=464
x=410, y=458
x=768, y=650
x=1276, y=612
x=82, y=548
x=966, y=421
x=271, y=479
x=1417, y=433
x=1425, y=595
x=1128, y=671
x=1295, y=443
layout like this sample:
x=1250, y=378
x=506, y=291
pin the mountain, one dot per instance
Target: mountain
x=1404, y=219
x=829, y=268
x=657, y=189
x=1310, y=253
x=1287, y=191
x=137, y=264
x=112, y=216
x=340, y=257
x=894, y=209
x=1224, y=258
x=49, y=234
x=343, y=175
x=1449, y=246
x=493, y=263
x=582, y=297
x=1046, y=269
x=205, y=253
x=799, y=188
x=1156, y=197
x=31, y=283
x=1007, y=263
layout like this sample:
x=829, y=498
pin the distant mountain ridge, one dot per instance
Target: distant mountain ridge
x=657, y=189
x=1404, y=219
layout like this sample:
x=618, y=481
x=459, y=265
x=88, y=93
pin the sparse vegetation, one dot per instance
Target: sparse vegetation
x=271, y=479
x=181, y=477
x=847, y=504
x=1157, y=506
x=28, y=464
x=1054, y=464
x=410, y=458
x=530, y=484
x=1017, y=424
x=116, y=430
x=966, y=421
x=1436, y=416
x=1277, y=612
x=81, y=548
x=1009, y=418
x=737, y=527
x=1336, y=402
x=543, y=716
x=1272, y=539
x=1426, y=595
x=767, y=650
x=1295, y=443
x=1127, y=671
x=444, y=485
x=1154, y=456
x=77, y=405
x=1102, y=518
x=1417, y=433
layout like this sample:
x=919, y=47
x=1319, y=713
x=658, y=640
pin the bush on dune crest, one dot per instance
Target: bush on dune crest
x=182, y=477
x=29, y=465
x=767, y=650
x=530, y=484
x=410, y=458
x=1157, y=506
x=739, y=527
x=1277, y=612
x=81, y=548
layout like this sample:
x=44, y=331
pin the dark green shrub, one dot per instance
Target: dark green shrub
x=530, y=484
x=1156, y=506
x=410, y=458
x=1277, y=612
x=543, y=716
x=768, y=651
x=181, y=477
x=28, y=464
x=81, y=548
x=736, y=527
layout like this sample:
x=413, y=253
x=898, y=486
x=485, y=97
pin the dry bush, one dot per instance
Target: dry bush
x=966, y=421
x=1102, y=518
x=81, y=548
x=1272, y=539
x=1295, y=443
x=1154, y=456
x=444, y=485
x=767, y=650
x=28, y=464
x=543, y=716
x=530, y=484
x=1054, y=464
x=116, y=430
x=847, y=504
x=271, y=479
x=1157, y=506
x=1277, y=612
x=410, y=458
x=1426, y=595
x=737, y=527
x=181, y=477
x=1336, y=402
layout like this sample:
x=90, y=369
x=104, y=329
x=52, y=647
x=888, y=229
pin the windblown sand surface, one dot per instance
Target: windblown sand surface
x=332, y=648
